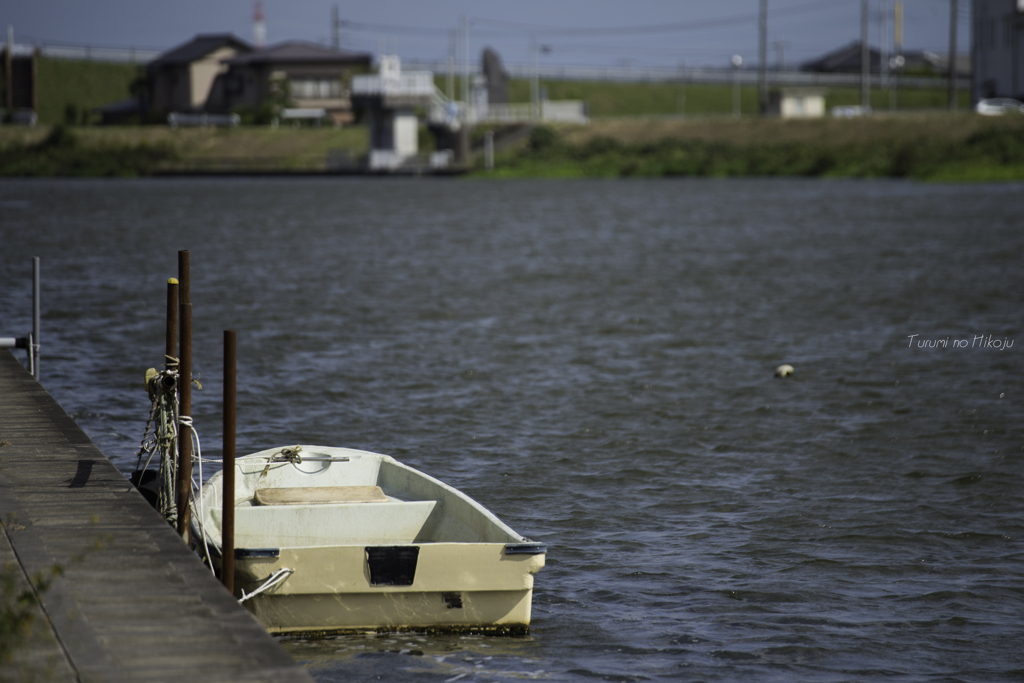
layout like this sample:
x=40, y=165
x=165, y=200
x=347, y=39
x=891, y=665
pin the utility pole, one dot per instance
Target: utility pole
x=681, y=95
x=952, y=54
x=883, y=47
x=335, y=28
x=534, y=81
x=9, y=68
x=897, y=48
x=465, y=62
x=762, y=57
x=737, y=62
x=780, y=54
x=865, y=59
x=453, y=51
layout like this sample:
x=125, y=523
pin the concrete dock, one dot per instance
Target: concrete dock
x=131, y=601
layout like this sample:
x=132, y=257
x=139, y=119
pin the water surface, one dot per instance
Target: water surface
x=593, y=360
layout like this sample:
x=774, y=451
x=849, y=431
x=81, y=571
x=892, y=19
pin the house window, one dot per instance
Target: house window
x=316, y=89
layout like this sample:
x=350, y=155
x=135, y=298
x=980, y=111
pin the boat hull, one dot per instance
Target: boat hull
x=454, y=587
x=348, y=540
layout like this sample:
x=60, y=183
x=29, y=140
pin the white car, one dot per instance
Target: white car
x=999, y=106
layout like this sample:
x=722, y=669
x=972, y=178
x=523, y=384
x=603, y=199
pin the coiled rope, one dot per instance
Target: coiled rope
x=163, y=443
x=160, y=440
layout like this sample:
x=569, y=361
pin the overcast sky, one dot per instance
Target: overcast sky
x=587, y=32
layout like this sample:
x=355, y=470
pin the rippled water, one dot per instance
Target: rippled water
x=593, y=361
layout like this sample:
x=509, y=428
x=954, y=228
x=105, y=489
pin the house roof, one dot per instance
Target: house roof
x=200, y=46
x=300, y=52
x=847, y=60
x=844, y=60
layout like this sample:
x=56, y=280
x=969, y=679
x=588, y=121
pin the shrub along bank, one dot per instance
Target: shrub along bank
x=61, y=153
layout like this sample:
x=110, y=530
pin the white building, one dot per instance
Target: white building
x=797, y=103
x=998, y=40
x=392, y=97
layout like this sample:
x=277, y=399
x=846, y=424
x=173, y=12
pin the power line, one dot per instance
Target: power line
x=670, y=27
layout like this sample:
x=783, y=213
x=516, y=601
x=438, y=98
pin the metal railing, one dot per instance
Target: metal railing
x=31, y=342
x=99, y=53
x=175, y=119
x=701, y=74
x=408, y=84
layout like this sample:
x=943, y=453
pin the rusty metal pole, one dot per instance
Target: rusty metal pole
x=184, y=397
x=172, y=318
x=227, y=526
x=34, y=352
x=184, y=415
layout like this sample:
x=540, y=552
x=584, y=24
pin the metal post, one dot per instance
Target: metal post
x=454, y=50
x=865, y=58
x=883, y=46
x=762, y=75
x=184, y=397
x=534, y=81
x=184, y=418
x=227, y=526
x=737, y=62
x=489, y=150
x=897, y=30
x=35, y=345
x=335, y=28
x=9, y=67
x=952, y=54
x=172, y=318
x=465, y=62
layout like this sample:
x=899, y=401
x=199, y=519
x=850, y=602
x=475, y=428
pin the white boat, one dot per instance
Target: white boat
x=334, y=539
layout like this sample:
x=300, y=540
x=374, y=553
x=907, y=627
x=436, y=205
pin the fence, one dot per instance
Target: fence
x=706, y=75
x=94, y=53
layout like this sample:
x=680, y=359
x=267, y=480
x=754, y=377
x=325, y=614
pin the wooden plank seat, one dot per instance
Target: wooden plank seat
x=320, y=495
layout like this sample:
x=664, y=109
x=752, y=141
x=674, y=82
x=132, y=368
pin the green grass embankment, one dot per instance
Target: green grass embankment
x=68, y=91
x=146, y=150
x=927, y=146
x=615, y=99
x=62, y=153
x=948, y=147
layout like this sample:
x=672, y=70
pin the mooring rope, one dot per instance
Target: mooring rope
x=163, y=421
x=197, y=488
x=166, y=424
x=274, y=579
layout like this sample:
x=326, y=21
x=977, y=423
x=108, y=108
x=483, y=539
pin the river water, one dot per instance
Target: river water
x=593, y=361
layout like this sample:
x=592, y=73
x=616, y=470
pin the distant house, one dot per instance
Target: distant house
x=180, y=79
x=998, y=40
x=845, y=60
x=306, y=75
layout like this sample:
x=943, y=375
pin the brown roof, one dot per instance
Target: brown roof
x=301, y=52
x=200, y=46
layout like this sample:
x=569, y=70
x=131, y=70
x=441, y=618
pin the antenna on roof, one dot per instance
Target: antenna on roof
x=259, y=25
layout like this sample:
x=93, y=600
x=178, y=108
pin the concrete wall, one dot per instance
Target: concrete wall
x=998, y=39
x=406, y=132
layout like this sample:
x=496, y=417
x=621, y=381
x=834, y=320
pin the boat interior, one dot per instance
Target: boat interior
x=336, y=496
